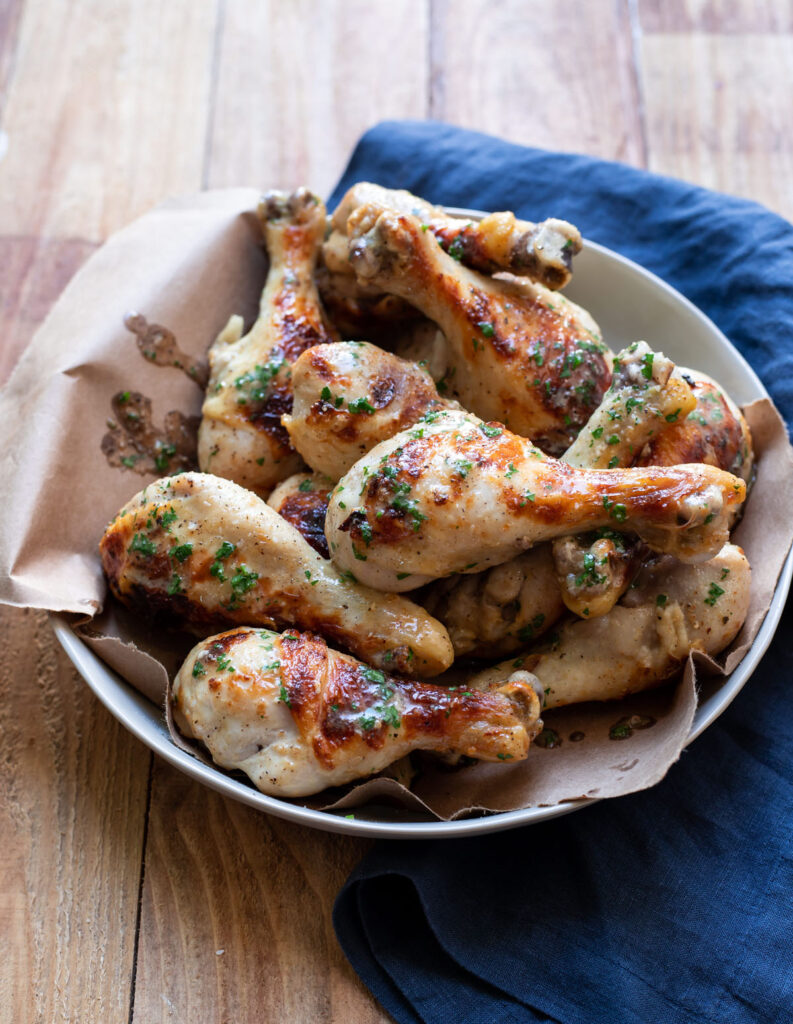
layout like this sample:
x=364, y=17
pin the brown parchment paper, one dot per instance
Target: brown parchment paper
x=188, y=265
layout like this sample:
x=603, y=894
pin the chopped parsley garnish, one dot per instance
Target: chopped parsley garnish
x=142, y=544
x=672, y=416
x=360, y=405
x=391, y=716
x=198, y=669
x=486, y=328
x=225, y=549
x=714, y=593
x=243, y=580
x=647, y=365
x=529, y=631
x=283, y=696
x=597, y=432
x=661, y=600
x=489, y=431
x=175, y=585
x=374, y=675
x=129, y=461
x=511, y=471
x=305, y=486
x=455, y=250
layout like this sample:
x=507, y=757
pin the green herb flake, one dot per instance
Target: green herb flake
x=714, y=593
x=647, y=365
x=672, y=416
x=620, y=513
x=661, y=600
x=283, y=696
x=489, y=431
x=361, y=405
x=305, y=486
x=142, y=545
x=243, y=580
x=198, y=669
x=486, y=328
x=225, y=549
x=175, y=586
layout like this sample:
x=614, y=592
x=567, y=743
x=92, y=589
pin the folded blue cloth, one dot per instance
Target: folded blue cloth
x=676, y=904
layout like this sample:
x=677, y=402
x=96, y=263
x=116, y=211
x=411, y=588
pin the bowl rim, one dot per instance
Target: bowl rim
x=132, y=709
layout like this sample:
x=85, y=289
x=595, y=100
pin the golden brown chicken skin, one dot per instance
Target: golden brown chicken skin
x=542, y=252
x=241, y=436
x=204, y=553
x=645, y=639
x=298, y=717
x=349, y=396
x=714, y=432
x=302, y=500
x=517, y=352
x=458, y=494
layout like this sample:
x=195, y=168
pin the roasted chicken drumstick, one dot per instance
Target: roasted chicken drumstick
x=241, y=436
x=297, y=717
x=517, y=352
x=206, y=553
x=457, y=494
x=542, y=252
x=673, y=609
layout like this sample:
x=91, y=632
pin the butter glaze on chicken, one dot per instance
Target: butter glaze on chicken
x=241, y=436
x=203, y=552
x=457, y=494
x=297, y=717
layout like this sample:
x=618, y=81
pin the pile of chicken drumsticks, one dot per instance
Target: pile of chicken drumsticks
x=366, y=514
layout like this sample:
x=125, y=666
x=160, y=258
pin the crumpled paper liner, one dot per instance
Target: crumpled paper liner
x=188, y=265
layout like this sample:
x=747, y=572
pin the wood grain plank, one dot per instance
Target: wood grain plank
x=557, y=75
x=718, y=112
x=722, y=16
x=235, y=915
x=298, y=82
x=73, y=790
x=106, y=113
x=33, y=273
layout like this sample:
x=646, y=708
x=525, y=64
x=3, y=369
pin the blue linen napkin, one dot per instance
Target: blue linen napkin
x=671, y=905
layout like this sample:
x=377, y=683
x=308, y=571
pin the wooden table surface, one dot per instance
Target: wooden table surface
x=128, y=892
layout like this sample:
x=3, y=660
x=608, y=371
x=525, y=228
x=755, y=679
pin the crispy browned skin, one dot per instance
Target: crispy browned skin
x=297, y=717
x=205, y=553
x=241, y=436
x=302, y=500
x=686, y=418
x=516, y=352
x=714, y=433
x=349, y=396
x=542, y=252
x=464, y=494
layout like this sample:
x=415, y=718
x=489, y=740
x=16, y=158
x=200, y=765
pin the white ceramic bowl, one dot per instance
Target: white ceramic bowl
x=628, y=303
